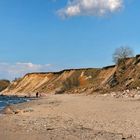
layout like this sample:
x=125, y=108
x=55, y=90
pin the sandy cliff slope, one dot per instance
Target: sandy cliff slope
x=58, y=82
x=123, y=76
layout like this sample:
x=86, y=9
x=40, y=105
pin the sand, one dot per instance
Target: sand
x=73, y=117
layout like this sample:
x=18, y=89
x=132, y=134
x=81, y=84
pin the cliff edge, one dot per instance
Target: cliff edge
x=118, y=77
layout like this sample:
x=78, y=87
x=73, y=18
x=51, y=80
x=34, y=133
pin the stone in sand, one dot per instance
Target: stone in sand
x=8, y=110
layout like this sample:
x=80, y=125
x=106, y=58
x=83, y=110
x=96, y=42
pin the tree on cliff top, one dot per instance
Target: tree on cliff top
x=121, y=54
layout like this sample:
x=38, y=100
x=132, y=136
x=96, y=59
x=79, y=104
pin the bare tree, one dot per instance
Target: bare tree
x=121, y=54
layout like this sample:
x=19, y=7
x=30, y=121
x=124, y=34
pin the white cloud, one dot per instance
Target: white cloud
x=10, y=71
x=90, y=7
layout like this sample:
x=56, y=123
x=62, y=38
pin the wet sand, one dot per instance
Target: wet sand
x=73, y=117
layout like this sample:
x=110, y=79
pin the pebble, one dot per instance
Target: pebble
x=126, y=94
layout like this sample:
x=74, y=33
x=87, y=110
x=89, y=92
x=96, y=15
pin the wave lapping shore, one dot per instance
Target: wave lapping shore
x=8, y=100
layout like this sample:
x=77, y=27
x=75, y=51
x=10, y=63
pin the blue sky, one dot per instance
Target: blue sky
x=50, y=35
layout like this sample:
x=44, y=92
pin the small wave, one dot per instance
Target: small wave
x=2, y=107
x=4, y=101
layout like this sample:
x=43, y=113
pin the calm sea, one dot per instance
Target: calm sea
x=7, y=100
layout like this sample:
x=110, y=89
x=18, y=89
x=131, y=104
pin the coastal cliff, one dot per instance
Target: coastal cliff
x=116, y=77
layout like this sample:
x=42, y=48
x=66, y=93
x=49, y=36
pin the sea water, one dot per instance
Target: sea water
x=7, y=100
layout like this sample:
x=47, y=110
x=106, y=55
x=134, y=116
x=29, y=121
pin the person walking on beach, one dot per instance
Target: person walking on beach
x=37, y=94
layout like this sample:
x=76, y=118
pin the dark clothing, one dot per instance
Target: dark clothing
x=37, y=94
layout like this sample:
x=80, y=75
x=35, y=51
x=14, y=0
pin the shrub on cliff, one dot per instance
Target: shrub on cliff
x=121, y=54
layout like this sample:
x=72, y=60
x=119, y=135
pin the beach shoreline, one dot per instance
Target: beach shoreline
x=11, y=100
x=76, y=117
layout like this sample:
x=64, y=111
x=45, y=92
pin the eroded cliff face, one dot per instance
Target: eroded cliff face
x=60, y=82
x=120, y=77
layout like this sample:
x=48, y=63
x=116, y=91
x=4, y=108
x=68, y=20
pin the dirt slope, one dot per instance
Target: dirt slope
x=58, y=82
x=120, y=77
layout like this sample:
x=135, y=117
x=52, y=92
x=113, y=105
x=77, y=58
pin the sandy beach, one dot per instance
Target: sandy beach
x=73, y=117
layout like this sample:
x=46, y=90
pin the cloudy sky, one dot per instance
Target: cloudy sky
x=50, y=35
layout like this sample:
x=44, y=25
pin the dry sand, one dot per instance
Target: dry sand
x=73, y=117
